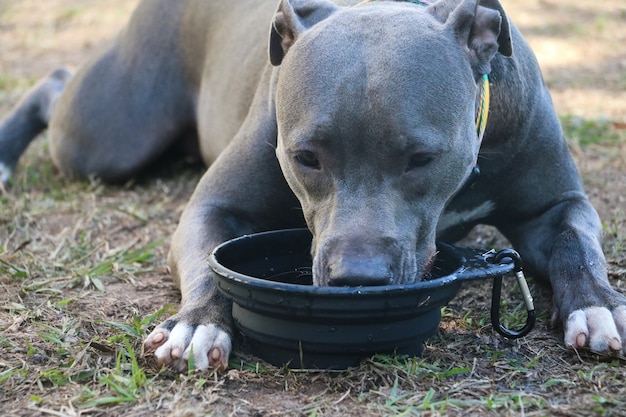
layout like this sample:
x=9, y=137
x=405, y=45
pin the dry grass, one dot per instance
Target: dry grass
x=82, y=264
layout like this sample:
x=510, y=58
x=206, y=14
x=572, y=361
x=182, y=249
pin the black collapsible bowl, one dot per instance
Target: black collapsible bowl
x=287, y=321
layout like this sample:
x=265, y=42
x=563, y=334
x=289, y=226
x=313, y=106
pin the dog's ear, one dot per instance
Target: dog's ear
x=505, y=45
x=476, y=23
x=477, y=29
x=292, y=18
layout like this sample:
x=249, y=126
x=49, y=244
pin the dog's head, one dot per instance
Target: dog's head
x=376, y=109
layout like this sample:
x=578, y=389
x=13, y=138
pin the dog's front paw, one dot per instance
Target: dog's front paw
x=175, y=343
x=600, y=329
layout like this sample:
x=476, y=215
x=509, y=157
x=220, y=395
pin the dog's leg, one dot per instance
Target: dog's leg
x=242, y=192
x=564, y=244
x=546, y=215
x=29, y=118
x=121, y=110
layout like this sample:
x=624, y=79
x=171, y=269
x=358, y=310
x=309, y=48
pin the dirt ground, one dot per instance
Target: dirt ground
x=82, y=264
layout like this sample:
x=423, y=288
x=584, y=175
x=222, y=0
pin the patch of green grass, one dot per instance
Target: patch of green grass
x=64, y=376
x=615, y=241
x=123, y=384
x=601, y=22
x=10, y=82
x=400, y=400
x=36, y=171
x=581, y=131
x=605, y=406
x=597, y=374
x=557, y=381
x=469, y=321
x=5, y=375
x=138, y=326
x=59, y=337
x=416, y=367
x=251, y=364
x=86, y=268
x=514, y=402
x=66, y=15
x=12, y=270
x=127, y=260
x=7, y=343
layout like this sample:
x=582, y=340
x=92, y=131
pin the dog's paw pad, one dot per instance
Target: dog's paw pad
x=155, y=339
x=203, y=346
x=171, y=351
x=210, y=346
x=576, y=330
x=596, y=328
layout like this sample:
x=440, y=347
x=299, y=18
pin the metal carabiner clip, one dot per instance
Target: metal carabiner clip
x=499, y=257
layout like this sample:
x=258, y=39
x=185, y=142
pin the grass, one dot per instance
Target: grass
x=9, y=82
x=582, y=131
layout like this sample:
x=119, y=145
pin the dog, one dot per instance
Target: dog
x=357, y=120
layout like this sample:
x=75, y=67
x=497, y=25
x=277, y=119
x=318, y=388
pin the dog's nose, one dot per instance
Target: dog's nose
x=355, y=272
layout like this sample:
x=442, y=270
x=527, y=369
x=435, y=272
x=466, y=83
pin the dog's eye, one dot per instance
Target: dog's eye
x=308, y=159
x=419, y=160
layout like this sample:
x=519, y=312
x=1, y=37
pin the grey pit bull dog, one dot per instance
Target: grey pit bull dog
x=361, y=125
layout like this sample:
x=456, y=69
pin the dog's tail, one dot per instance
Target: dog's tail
x=27, y=119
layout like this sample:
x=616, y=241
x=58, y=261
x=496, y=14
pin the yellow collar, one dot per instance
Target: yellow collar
x=483, y=109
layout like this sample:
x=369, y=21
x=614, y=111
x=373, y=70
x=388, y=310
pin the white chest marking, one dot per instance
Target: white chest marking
x=450, y=219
